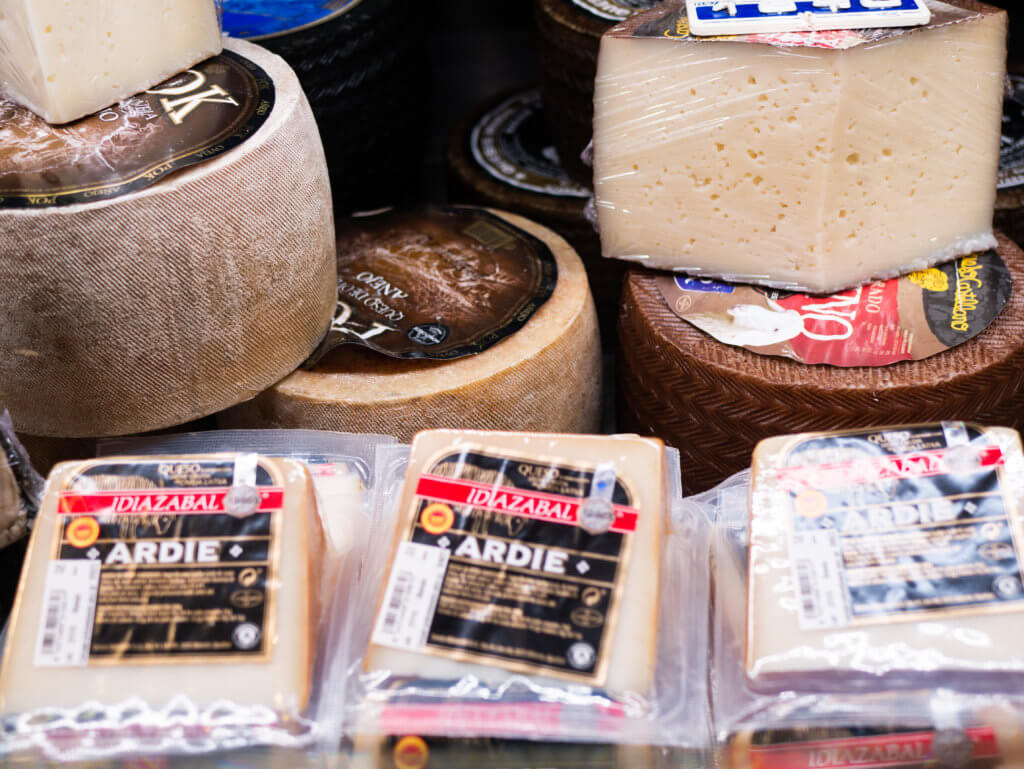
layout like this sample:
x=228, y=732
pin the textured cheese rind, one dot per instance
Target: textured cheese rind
x=800, y=168
x=283, y=684
x=714, y=402
x=641, y=468
x=938, y=641
x=545, y=377
x=65, y=60
x=162, y=306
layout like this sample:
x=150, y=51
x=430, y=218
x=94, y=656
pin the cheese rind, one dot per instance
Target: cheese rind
x=799, y=167
x=66, y=60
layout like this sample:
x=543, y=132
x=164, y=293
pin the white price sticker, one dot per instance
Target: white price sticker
x=736, y=17
x=816, y=559
x=411, y=596
x=69, y=606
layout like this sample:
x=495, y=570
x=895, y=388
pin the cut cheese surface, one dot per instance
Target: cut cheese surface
x=813, y=167
x=885, y=551
x=164, y=305
x=534, y=560
x=161, y=577
x=545, y=377
x=64, y=60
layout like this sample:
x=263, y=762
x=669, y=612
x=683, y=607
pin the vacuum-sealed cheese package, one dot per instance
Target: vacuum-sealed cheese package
x=168, y=604
x=538, y=587
x=20, y=486
x=892, y=552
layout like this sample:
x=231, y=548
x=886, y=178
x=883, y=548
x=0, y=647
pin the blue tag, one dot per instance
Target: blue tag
x=704, y=286
x=736, y=17
x=254, y=19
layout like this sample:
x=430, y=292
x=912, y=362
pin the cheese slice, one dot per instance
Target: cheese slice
x=251, y=643
x=630, y=638
x=66, y=60
x=812, y=167
x=885, y=552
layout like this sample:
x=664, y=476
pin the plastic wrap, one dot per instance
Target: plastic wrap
x=168, y=605
x=809, y=161
x=653, y=688
x=21, y=487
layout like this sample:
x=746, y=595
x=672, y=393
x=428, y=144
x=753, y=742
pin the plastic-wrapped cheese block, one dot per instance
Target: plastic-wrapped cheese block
x=805, y=161
x=714, y=401
x=886, y=554
x=545, y=376
x=166, y=589
x=64, y=61
x=158, y=304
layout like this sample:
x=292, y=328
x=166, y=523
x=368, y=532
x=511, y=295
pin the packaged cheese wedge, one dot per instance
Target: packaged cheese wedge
x=890, y=554
x=167, y=604
x=533, y=589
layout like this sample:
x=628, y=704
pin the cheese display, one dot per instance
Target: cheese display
x=65, y=61
x=885, y=552
x=789, y=160
x=140, y=291
x=502, y=156
x=146, y=574
x=486, y=319
x=714, y=401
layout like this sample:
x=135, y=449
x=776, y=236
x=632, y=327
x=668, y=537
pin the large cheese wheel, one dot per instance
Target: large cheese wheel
x=714, y=402
x=168, y=304
x=544, y=378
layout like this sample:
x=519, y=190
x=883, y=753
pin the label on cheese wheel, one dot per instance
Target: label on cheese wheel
x=162, y=561
x=892, y=524
x=497, y=567
x=513, y=144
x=193, y=117
x=885, y=322
x=614, y=10
x=264, y=19
x=437, y=283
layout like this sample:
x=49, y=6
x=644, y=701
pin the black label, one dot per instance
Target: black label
x=975, y=291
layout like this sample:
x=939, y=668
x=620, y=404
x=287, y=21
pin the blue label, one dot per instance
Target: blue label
x=704, y=286
x=261, y=18
x=752, y=10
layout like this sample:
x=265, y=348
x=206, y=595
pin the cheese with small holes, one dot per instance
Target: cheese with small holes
x=66, y=60
x=811, y=161
x=163, y=577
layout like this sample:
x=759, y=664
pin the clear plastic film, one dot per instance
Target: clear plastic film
x=813, y=161
x=577, y=617
x=21, y=486
x=168, y=605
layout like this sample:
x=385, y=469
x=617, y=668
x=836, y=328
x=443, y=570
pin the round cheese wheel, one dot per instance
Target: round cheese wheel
x=544, y=378
x=174, y=302
x=714, y=402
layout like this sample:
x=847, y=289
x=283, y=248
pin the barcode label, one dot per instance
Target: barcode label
x=69, y=605
x=411, y=596
x=816, y=558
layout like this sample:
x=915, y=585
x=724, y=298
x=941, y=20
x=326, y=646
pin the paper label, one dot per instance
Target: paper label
x=527, y=585
x=196, y=116
x=513, y=144
x=264, y=19
x=908, y=318
x=736, y=17
x=162, y=560
x=439, y=283
x=896, y=523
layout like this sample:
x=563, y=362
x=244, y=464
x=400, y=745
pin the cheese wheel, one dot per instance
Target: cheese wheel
x=714, y=402
x=545, y=377
x=168, y=304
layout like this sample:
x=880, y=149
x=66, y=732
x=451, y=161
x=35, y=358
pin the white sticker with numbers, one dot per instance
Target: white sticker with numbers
x=750, y=17
x=411, y=597
x=69, y=606
x=817, y=573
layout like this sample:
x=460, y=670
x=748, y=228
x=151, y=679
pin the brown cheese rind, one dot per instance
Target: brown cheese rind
x=714, y=402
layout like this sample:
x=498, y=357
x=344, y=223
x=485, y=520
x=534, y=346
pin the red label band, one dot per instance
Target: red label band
x=528, y=504
x=148, y=501
x=526, y=718
x=871, y=470
x=865, y=752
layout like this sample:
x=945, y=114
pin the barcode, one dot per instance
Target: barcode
x=805, y=581
x=393, y=611
x=817, y=574
x=51, y=624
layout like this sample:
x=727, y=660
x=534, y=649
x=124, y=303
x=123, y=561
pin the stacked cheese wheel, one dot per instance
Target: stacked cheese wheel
x=160, y=306
x=714, y=402
x=546, y=377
